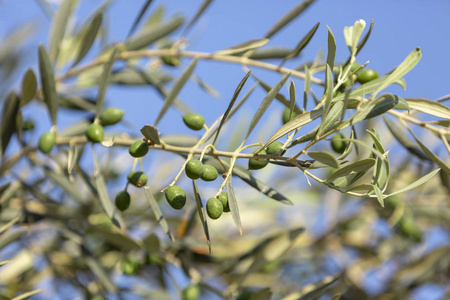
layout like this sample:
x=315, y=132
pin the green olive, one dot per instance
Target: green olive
x=286, y=113
x=256, y=164
x=410, y=229
x=137, y=178
x=214, y=208
x=191, y=292
x=194, y=169
x=170, y=60
x=138, y=148
x=175, y=196
x=122, y=200
x=111, y=116
x=27, y=125
x=339, y=146
x=130, y=266
x=210, y=173
x=223, y=197
x=274, y=148
x=94, y=133
x=47, y=141
x=355, y=66
x=367, y=75
x=194, y=121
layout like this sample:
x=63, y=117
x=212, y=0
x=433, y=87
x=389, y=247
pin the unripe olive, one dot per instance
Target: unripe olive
x=210, y=173
x=137, y=178
x=122, y=200
x=130, y=266
x=138, y=148
x=366, y=75
x=47, y=141
x=274, y=148
x=214, y=208
x=194, y=169
x=256, y=164
x=223, y=197
x=410, y=229
x=286, y=114
x=170, y=60
x=175, y=196
x=191, y=292
x=355, y=66
x=27, y=125
x=94, y=133
x=194, y=121
x=339, y=146
x=111, y=116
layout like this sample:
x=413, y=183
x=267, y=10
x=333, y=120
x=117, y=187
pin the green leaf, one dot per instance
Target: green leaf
x=197, y=15
x=6, y=239
x=327, y=104
x=29, y=87
x=177, y=86
x=262, y=294
x=331, y=120
x=279, y=97
x=379, y=194
x=331, y=50
x=324, y=157
x=48, y=83
x=114, y=237
x=8, y=122
x=8, y=225
x=383, y=104
x=104, y=81
x=268, y=53
x=202, y=214
x=307, y=87
x=429, y=107
x=232, y=203
x=157, y=212
x=359, y=166
x=302, y=44
x=293, y=124
x=416, y=183
x=265, y=104
x=151, y=133
x=99, y=272
x=153, y=33
x=139, y=17
x=88, y=37
x=72, y=157
x=291, y=98
x=444, y=166
x=233, y=99
x=313, y=291
x=362, y=43
x=406, y=66
x=249, y=45
x=28, y=294
x=58, y=27
x=380, y=148
x=352, y=35
x=286, y=19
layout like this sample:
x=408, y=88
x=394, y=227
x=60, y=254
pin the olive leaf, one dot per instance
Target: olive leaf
x=8, y=122
x=331, y=51
x=151, y=133
x=157, y=212
x=249, y=45
x=104, y=81
x=327, y=104
x=139, y=17
x=268, y=53
x=58, y=27
x=443, y=165
x=352, y=35
x=416, y=183
x=99, y=272
x=324, y=157
x=303, y=43
x=362, y=43
x=29, y=87
x=48, y=83
x=6, y=239
x=356, y=167
x=307, y=87
x=429, y=107
x=232, y=203
x=197, y=15
x=379, y=194
x=202, y=214
x=88, y=38
x=314, y=290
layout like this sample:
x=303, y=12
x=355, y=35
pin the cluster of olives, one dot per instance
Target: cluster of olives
x=361, y=76
x=259, y=163
x=94, y=132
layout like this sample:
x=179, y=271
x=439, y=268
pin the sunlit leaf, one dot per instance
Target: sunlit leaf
x=28, y=294
x=249, y=45
x=197, y=15
x=104, y=81
x=139, y=17
x=201, y=214
x=151, y=133
x=89, y=37
x=48, y=83
x=29, y=87
x=443, y=165
x=8, y=123
x=157, y=212
x=416, y=183
x=232, y=203
x=59, y=23
x=314, y=290
x=429, y=107
x=331, y=50
x=324, y=157
x=356, y=167
x=303, y=43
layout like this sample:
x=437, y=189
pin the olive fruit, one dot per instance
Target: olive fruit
x=122, y=200
x=130, y=266
x=191, y=292
x=47, y=141
x=410, y=229
x=27, y=125
x=210, y=173
x=274, y=148
x=194, y=121
x=214, y=208
x=170, y=60
x=366, y=75
x=223, y=197
x=286, y=113
x=94, y=133
x=111, y=116
x=175, y=196
x=256, y=164
x=138, y=149
x=194, y=169
x=137, y=178
x=339, y=146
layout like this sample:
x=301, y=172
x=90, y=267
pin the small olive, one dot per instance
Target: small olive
x=223, y=197
x=256, y=164
x=366, y=75
x=94, y=133
x=194, y=169
x=122, y=200
x=214, y=208
x=111, y=116
x=175, y=196
x=138, y=148
x=410, y=229
x=286, y=113
x=274, y=148
x=27, y=125
x=47, y=141
x=170, y=60
x=337, y=145
x=130, y=266
x=194, y=121
x=137, y=178
x=210, y=173
x=191, y=292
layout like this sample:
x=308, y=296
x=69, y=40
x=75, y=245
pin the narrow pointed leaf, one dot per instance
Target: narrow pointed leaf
x=443, y=165
x=362, y=43
x=59, y=23
x=100, y=273
x=384, y=103
x=104, y=81
x=416, y=183
x=8, y=122
x=28, y=294
x=139, y=17
x=48, y=83
x=157, y=212
x=286, y=19
x=89, y=37
x=249, y=45
x=6, y=239
x=72, y=157
x=429, y=107
x=279, y=97
x=314, y=290
x=359, y=166
x=232, y=203
x=324, y=157
x=379, y=194
x=307, y=87
x=265, y=104
x=177, y=86
x=330, y=121
x=202, y=214
x=197, y=15
x=302, y=44
x=327, y=104
x=331, y=49
x=292, y=97
x=151, y=133
x=29, y=87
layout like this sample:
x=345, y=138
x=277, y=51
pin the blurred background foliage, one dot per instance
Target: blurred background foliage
x=61, y=237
